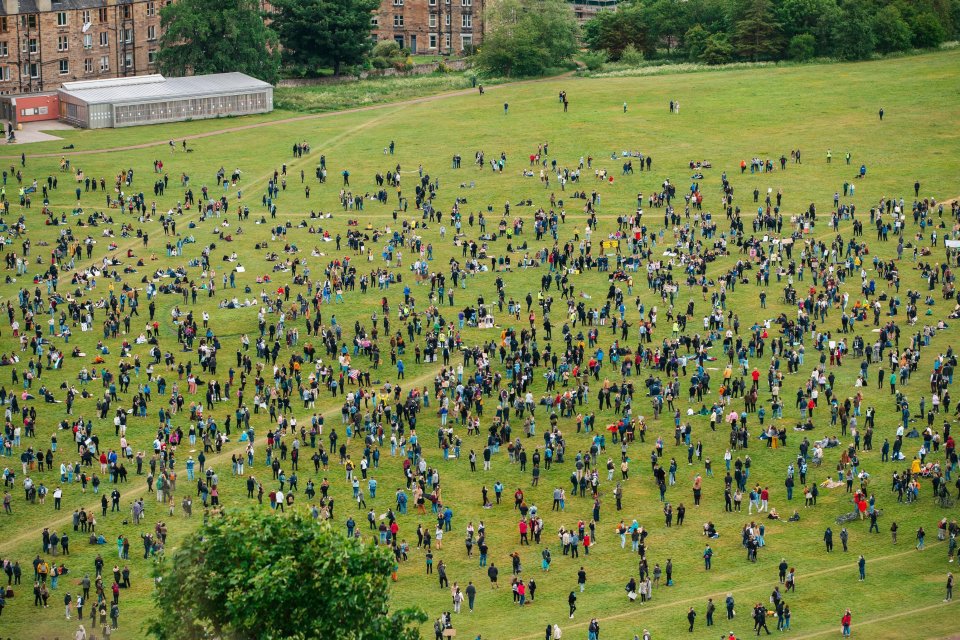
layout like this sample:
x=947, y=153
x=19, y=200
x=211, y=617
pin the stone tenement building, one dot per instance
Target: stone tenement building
x=431, y=26
x=44, y=43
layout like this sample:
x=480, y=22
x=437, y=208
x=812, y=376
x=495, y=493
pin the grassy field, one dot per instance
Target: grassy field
x=725, y=117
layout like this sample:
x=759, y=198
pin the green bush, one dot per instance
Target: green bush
x=928, y=33
x=631, y=56
x=718, y=50
x=802, y=47
x=594, y=60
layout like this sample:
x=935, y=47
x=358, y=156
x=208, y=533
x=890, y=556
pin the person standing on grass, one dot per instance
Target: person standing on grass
x=845, y=623
x=949, y=588
x=691, y=617
x=862, y=566
x=572, y=601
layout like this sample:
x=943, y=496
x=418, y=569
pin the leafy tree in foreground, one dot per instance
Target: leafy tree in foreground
x=324, y=33
x=527, y=37
x=216, y=36
x=249, y=575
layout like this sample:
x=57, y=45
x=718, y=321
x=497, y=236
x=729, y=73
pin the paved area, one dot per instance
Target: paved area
x=37, y=132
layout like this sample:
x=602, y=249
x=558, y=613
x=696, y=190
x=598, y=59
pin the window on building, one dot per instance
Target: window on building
x=433, y=40
x=446, y=19
x=4, y=25
x=102, y=14
x=152, y=56
x=62, y=44
x=432, y=3
x=61, y=18
x=31, y=22
x=85, y=16
x=151, y=8
x=88, y=65
x=104, y=39
x=64, y=67
x=33, y=69
x=466, y=3
x=128, y=35
x=433, y=20
x=32, y=45
x=104, y=63
x=398, y=20
x=127, y=12
x=375, y=21
x=5, y=73
x=128, y=60
x=467, y=42
x=466, y=21
x=446, y=40
x=3, y=49
x=87, y=40
x=152, y=32
x=398, y=3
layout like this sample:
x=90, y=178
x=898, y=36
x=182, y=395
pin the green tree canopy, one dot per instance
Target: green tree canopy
x=527, y=37
x=853, y=33
x=216, y=36
x=614, y=31
x=324, y=33
x=249, y=575
x=892, y=32
x=756, y=31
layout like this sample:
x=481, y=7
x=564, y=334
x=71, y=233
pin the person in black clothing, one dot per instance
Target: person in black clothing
x=572, y=601
x=691, y=617
x=760, y=618
x=828, y=539
x=442, y=574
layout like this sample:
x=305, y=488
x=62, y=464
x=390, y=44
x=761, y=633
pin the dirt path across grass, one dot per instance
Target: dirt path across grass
x=312, y=116
x=9, y=544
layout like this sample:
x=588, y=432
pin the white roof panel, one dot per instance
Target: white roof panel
x=155, y=88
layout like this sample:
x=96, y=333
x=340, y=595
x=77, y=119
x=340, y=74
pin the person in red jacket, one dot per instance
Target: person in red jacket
x=845, y=623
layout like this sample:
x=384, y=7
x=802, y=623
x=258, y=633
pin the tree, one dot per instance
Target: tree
x=695, y=41
x=756, y=31
x=809, y=16
x=802, y=47
x=928, y=32
x=216, y=36
x=718, y=49
x=526, y=37
x=250, y=574
x=324, y=33
x=853, y=32
x=892, y=32
x=614, y=31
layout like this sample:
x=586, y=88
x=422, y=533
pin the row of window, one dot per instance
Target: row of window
x=31, y=45
x=466, y=41
x=29, y=21
x=32, y=69
x=466, y=20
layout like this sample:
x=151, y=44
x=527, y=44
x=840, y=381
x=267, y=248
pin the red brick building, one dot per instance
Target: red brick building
x=431, y=26
x=44, y=43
